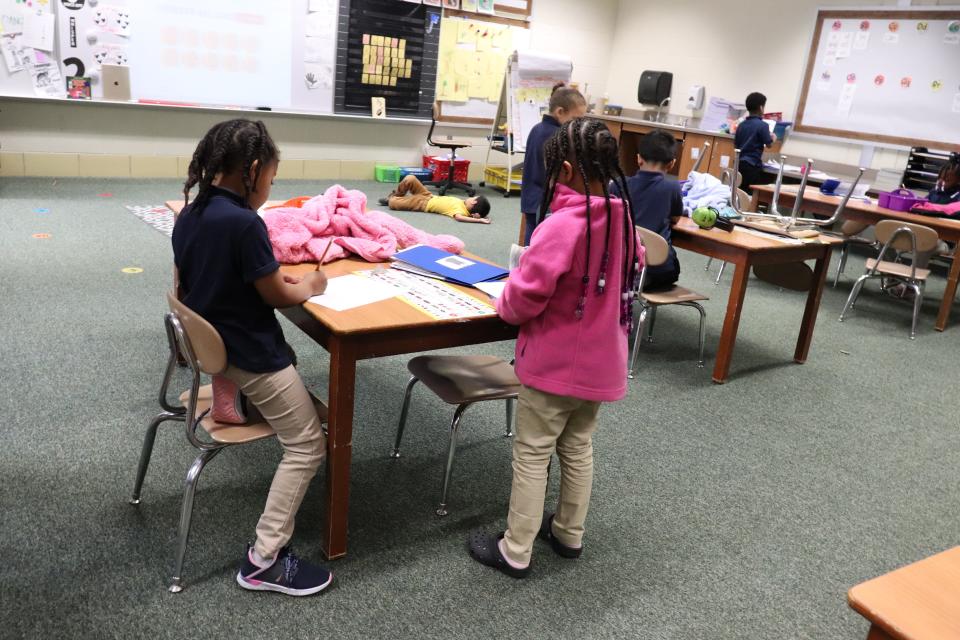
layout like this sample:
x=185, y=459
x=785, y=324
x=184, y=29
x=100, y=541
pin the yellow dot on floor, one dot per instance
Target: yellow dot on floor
x=132, y=270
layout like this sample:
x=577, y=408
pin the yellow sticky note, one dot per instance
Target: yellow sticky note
x=365, y=79
x=393, y=82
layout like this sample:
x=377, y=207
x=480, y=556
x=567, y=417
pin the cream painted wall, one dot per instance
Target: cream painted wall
x=732, y=47
x=580, y=29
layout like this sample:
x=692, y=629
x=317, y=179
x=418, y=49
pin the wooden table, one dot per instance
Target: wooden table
x=920, y=601
x=816, y=202
x=390, y=327
x=744, y=250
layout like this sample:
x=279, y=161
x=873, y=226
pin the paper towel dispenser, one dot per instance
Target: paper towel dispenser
x=654, y=87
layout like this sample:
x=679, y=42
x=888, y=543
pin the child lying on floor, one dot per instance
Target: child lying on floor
x=411, y=195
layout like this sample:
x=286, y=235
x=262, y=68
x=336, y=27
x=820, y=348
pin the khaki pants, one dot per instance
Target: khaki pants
x=546, y=422
x=410, y=195
x=284, y=403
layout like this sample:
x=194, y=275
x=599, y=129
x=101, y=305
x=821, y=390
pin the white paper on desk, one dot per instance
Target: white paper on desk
x=352, y=291
x=39, y=30
x=492, y=289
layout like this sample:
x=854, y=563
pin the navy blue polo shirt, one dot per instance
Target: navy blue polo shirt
x=752, y=136
x=219, y=252
x=656, y=199
x=534, y=170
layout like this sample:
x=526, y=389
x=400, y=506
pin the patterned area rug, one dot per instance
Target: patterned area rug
x=158, y=217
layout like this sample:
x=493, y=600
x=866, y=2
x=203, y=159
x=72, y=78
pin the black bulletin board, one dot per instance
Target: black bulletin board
x=417, y=25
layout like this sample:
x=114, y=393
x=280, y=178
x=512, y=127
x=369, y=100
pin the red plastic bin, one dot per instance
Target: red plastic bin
x=441, y=168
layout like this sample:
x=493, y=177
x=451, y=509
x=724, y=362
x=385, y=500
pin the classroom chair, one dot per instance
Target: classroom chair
x=902, y=237
x=657, y=251
x=848, y=232
x=452, y=146
x=203, y=350
x=462, y=381
x=920, y=601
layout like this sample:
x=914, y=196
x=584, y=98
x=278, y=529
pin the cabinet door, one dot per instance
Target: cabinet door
x=721, y=155
x=691, y=150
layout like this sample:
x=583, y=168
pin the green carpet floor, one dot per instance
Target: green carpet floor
x=737, y=511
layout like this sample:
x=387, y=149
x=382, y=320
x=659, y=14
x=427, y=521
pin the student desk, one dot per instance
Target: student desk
x=816, y=202
x=744, y=250
x=387, y=328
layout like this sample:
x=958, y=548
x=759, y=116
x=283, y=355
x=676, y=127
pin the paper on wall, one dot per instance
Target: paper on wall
x=323, y=6
x=846, y=98
x=318, y=76
x=44, y=74
x=318, y=50
x=951, y=38
x=845, y=45
x=109, y=54
x=112, y=19
x=891, y=38
x=12, y=21
x=861, y=40
x=13, y=53
x=956, y=103
x=829, y=61
x=321, y=24
x=39, y=31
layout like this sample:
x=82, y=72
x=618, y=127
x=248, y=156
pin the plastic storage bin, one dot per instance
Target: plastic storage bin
x=440, y=167
x=386, y=172
x=420, y=172
x=899, y=200
x=496, y=177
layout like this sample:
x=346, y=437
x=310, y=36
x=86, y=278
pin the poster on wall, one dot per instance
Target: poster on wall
x=91, y=34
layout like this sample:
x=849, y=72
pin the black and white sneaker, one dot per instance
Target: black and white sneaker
x=288, y=574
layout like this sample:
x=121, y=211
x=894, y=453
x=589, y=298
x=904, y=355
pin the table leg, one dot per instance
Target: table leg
x=813, y=307
x=755, y=201
x=950, y=292
x=876, y=633
x=343, y=369
x=731, y=322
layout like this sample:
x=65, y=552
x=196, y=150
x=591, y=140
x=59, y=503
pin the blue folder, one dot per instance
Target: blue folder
x=450, y=266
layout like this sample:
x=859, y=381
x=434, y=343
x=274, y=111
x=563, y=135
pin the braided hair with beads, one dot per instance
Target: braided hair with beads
x=592, y=150
x=231, y=146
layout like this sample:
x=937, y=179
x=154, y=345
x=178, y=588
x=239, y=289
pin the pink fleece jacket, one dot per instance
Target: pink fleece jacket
x=557, y=352
x=301, y=234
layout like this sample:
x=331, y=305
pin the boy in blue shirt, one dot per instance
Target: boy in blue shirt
x=752, y=136
x=656, y=199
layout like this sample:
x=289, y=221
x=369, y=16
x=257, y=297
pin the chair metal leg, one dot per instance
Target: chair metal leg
x=917, y=302
x=186, y=513
x=637, y=339
x=454, y=433
x=703, y=331
x=653, y=320
x=720, y=273
x=403, y=415
x=852, y=298
x=842, y=263
x=709, y=262
x=147, y=450
x=509, y=432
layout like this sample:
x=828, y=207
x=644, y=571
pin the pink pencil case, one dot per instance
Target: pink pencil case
x=899, y=200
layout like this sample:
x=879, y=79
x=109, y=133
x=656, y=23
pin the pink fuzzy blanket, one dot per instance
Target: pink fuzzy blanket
x=301, y=234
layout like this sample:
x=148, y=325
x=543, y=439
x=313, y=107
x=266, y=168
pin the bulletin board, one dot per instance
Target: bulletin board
x=216, y=53
x=471, y=66
x=889, y=76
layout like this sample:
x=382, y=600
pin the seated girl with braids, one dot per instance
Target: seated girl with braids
x=572, y=297
x=228, y=275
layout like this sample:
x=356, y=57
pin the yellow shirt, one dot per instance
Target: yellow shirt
x=447, y=206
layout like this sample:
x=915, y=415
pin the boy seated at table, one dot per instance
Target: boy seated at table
x=655, y=199
x=411, y=195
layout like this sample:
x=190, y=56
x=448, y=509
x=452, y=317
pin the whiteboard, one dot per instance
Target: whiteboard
x=884, y=75
x=230, y=53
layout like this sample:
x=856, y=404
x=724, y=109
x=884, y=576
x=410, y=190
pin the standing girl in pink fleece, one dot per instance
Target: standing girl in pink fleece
x=572, y=298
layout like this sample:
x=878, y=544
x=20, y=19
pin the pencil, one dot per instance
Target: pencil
x=325, y=252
